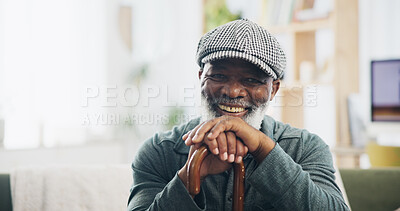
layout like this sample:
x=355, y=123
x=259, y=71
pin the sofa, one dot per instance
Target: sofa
x=5, y=193
x=371, y=189
x=66, y=187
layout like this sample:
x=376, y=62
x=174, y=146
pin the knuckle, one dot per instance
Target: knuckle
x=231, y=135
x=239, y=151
x=214, y=143
x=232, y=150
x=221, y=144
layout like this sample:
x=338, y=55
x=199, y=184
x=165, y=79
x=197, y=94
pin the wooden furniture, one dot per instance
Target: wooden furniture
x=193, y=173
x=349, y=157
x=343, y=23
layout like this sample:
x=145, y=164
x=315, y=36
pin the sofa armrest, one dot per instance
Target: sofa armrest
x=372, y=189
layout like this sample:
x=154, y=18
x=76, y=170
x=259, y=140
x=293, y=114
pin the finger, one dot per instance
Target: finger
x=224, y=124
x=184, y=137
x=231, y=140
x=222, y=146
x=191, y=134
x=212, y=145
x=240, y=151
x=205, y=128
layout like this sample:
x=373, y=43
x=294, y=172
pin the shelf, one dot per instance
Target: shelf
x=302, y=26
x=304, y=84
x=348, y=150
x=340, y=79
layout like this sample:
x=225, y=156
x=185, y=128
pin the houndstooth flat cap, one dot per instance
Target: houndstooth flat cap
x=243, y=39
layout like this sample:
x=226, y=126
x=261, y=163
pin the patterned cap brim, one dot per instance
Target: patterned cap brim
x=240, y=55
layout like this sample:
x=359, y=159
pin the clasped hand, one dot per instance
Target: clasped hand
x=228, y=138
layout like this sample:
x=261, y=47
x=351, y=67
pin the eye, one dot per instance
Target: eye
x=218, y=77
x=252, y=81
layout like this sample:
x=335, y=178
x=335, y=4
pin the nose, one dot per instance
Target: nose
x=234, y=90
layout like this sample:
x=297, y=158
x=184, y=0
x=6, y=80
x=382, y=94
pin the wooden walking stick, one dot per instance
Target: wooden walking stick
x=193, y=173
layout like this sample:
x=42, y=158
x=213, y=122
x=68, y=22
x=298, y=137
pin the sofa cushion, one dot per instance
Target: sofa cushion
x=71, y=187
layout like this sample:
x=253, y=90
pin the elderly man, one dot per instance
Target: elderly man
x=287, y=168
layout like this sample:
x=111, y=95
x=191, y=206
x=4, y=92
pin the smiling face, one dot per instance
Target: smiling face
x=237, y=88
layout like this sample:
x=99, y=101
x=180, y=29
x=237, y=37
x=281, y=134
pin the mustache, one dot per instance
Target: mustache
x=236, y=101
x=227, y=100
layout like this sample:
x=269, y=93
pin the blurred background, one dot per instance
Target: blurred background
x=86, y=82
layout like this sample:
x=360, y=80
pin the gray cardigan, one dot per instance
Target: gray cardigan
x=296, y=175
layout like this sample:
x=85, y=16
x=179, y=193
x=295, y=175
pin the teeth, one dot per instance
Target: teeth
x=231, y=109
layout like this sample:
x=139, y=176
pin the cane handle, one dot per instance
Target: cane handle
x=193, y=174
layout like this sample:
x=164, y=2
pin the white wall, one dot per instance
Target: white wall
x=168, y=36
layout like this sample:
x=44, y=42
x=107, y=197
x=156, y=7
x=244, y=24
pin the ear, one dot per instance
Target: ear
x=200, y=73
x=275, y=87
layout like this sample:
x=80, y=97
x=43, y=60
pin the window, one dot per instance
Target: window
x=50, y=50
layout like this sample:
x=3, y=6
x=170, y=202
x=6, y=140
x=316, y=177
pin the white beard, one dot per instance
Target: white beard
x=254, y=118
